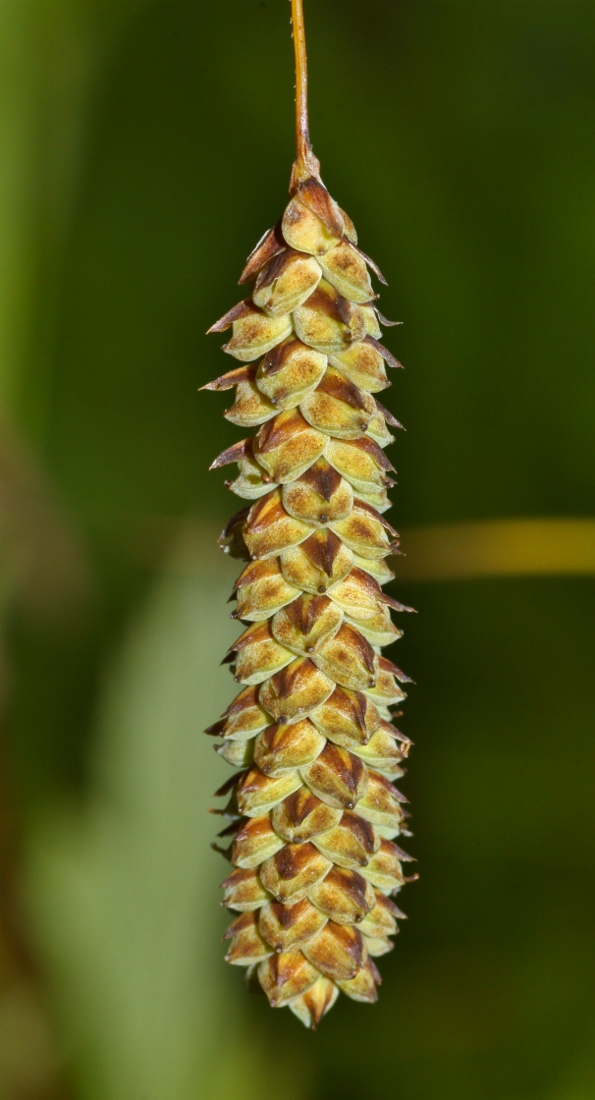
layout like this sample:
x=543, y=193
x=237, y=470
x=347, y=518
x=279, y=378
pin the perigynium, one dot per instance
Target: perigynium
x=313, y=812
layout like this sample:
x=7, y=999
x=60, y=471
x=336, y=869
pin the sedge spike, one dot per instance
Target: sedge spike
x=313, y=813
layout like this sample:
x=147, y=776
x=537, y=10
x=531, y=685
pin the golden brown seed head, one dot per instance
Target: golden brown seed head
x=314, y=813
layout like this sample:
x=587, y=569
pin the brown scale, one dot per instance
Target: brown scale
x=338, y=951
x=293, y=871
x=303, y=816
x=286, y=926
x=320, y=496
x=344, y=896
x=337, y=777
x=289, y=373
x=351, y=844
x=313, y=813
x=307, y=625
x=317, y=563
x=280, y=749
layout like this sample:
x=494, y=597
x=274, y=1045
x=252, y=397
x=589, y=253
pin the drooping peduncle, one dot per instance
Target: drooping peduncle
x=306, y=163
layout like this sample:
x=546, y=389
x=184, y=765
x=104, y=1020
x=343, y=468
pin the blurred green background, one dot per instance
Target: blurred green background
x=145, y=145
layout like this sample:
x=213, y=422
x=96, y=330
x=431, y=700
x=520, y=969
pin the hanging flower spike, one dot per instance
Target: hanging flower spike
x=313, y=813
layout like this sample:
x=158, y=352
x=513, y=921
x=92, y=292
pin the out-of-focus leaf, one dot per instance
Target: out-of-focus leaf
x=53, y=54
x=125, y=889
x=16, y=154
x=43, y=566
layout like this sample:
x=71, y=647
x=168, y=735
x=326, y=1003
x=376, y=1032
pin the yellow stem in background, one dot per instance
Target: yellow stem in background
x=457, y=551
x=302, y=130
x=498, y=548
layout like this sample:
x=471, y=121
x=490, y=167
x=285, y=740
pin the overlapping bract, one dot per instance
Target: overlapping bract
x=313, y=811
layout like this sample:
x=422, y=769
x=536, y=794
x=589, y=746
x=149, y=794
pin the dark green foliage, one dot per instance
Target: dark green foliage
x=458, y=134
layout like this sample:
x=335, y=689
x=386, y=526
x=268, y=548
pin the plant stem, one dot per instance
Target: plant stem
x=302, y=131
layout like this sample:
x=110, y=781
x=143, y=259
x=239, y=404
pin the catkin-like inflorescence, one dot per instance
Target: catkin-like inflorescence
x=313, y=810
